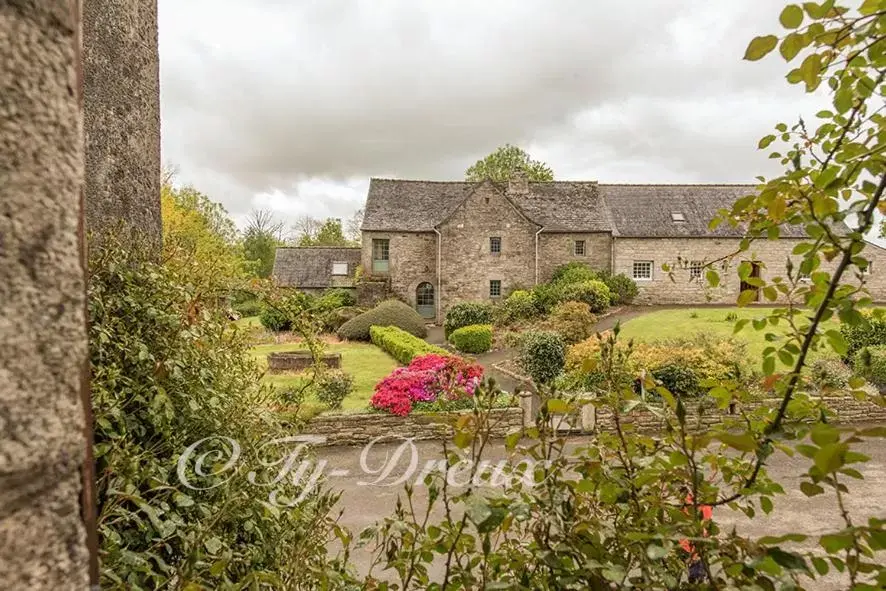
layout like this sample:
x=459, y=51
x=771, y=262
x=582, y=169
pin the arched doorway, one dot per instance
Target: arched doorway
x=424, y=300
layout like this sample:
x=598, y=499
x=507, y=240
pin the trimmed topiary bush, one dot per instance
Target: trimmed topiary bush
x=274, y=319
x=542, y=355
x=574, y=272
x=401, y=345
x=467, y=314
x=333, y=386
x=870, y=363
x=830, y=373
x=593, y=293
x=520, y=305
x=871, y=331
x=333, y=319
x=574, y=321
x=475, y=339
x=387, y=313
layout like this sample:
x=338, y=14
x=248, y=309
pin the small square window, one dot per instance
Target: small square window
x=678, y=217
x=579, y=248
x=339, y=268
x=495, y=288
x=695, y=268
x=642, y=270
x=495, y=245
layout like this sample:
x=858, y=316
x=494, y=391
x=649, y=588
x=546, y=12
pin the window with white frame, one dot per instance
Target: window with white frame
x=642, y=270
x=339, y=268
x=695, y=268
x=579, y=248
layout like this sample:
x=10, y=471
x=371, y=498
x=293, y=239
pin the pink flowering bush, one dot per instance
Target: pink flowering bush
x=426, y=379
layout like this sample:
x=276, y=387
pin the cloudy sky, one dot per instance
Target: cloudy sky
x=292, y=105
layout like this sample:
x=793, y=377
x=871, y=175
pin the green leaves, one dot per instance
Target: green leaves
x=791, y=45
x=791, y=17
x=739, y=441
x=759, y=47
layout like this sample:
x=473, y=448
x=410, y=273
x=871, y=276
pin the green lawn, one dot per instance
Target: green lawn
x=688, y=321
x=367, y=363
x=248, y=322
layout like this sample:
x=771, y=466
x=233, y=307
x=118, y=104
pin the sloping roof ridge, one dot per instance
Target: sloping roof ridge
x=678, y=185
x=375, y=178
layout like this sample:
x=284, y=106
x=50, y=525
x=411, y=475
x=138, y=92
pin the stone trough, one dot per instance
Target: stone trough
x=299, y=361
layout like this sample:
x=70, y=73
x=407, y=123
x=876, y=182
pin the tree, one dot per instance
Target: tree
x=501, y=165
x=261, y=240
x=305, y=225
x=353, y=231
x=329, y=234
x=200, y=240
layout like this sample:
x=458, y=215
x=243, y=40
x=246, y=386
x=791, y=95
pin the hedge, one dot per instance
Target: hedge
x=387, y=313
x=401, y=345
x=593, y=293
x=475, y=339
x=871, y=331
x=870, y=362
x=467, y=314
x=542, y=355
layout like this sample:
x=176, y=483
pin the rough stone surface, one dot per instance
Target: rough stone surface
x=42, y=327
x=773, y=254
x=370, y=293
x=360, y=429
x=299, y=360
x=413, y=260
x=122, y=119
x=558, y=249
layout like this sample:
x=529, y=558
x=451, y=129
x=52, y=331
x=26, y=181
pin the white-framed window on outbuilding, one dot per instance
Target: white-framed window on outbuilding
x=642, y=270
x=695, y=268
x=339, y=269
x=495, y=288
x=578, y=248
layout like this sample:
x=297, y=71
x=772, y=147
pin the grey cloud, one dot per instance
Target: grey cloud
x=268, y=95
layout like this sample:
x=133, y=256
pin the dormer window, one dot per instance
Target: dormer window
x=676, y=216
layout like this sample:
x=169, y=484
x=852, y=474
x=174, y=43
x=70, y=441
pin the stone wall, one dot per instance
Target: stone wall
x=467, y=264
x=773, y=254
x=299, y=361
x=558, y=249
x=122, y=118
x=43, y=349
x=360, y=429
x=370, y=293
x=413, y=260
x=847, y=410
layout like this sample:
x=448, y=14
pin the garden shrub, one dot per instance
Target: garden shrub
x=680, y=380
x=332, y=320
x=428, y=378
x=575, y=272
x=247, y=308
x=593, y=293
x=871, y=331
x=519, y=305
x=542, y=355
x=161, y=380
x=274, y=319
x=387, y=313
x=870, y=363
x=467, y=314
x=333, y=386
x=546, y=296
x=830, y=373
x=574, y=321
x=622, y=289
x=335, y=298
x=475, y=339
x=401, y=345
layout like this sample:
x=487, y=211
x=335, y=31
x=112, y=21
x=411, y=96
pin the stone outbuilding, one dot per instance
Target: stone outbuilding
x=435, y=244
x=314, y=269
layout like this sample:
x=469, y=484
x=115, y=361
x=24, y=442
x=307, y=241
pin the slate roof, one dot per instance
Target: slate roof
x=641, y=211
x=311, y=266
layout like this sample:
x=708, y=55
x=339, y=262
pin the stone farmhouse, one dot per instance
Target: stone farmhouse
x=434, y=244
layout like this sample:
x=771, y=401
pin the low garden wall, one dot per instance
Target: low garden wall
x=360, y=429
x=848, y=410
x=299, y=360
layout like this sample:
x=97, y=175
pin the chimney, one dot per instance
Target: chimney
x=518, y=183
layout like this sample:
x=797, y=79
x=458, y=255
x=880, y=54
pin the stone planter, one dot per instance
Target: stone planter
x=299, y=361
